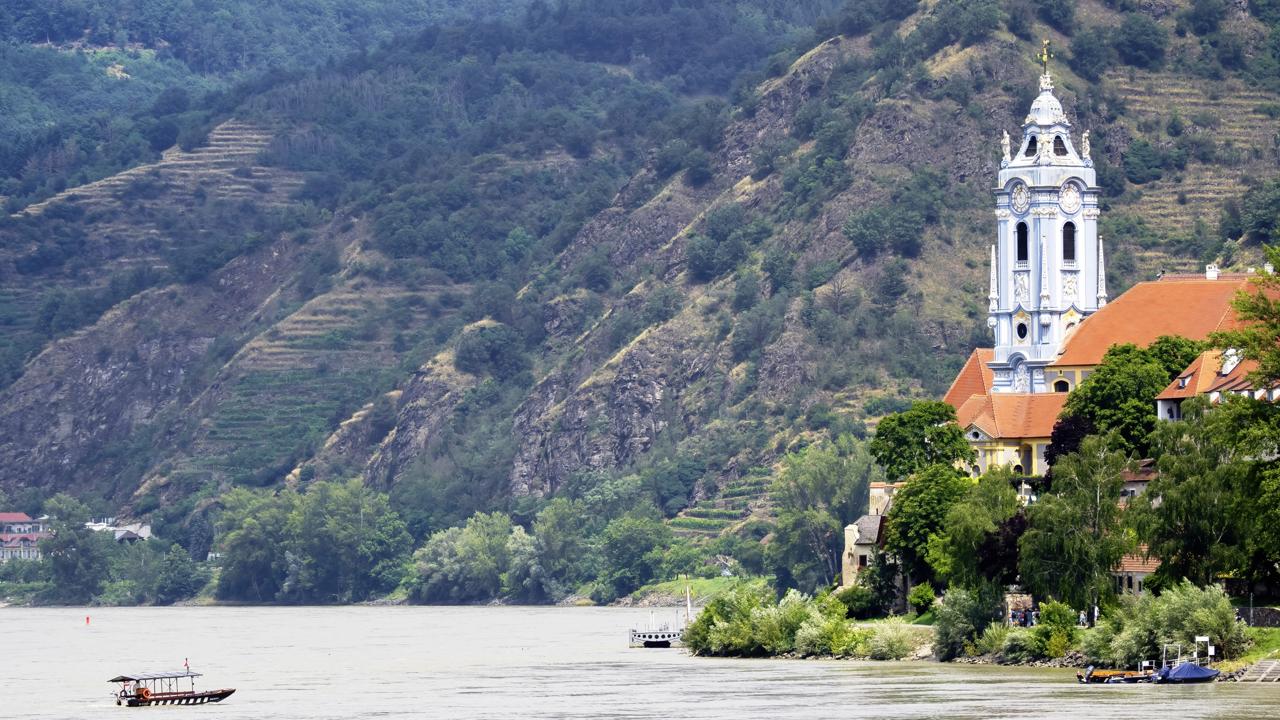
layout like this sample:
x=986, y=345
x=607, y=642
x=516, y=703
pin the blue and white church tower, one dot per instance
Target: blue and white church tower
x=1047, y=271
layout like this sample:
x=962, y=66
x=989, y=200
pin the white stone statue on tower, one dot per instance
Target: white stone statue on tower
x=1004, y=147
x=1084, y=148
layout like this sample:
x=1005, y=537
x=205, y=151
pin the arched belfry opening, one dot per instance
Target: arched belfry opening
x=1069, y=242
x=1059, y=146
x=1031, y=147
x=1022, y=242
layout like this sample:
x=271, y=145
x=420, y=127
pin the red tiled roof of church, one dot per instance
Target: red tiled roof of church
x=1013, y=415
x=1188, y=306
x=974, y=378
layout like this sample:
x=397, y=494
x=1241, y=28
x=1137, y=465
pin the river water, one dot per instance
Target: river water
x=498, y=662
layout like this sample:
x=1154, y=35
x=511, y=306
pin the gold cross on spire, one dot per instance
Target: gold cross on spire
x=1045, y=56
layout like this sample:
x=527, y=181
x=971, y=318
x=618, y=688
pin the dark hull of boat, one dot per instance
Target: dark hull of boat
x=180, y=698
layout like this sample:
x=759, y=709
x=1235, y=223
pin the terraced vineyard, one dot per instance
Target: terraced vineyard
x=1237, y=119
x=288, y=389
x=736, y=502
x=225, y=168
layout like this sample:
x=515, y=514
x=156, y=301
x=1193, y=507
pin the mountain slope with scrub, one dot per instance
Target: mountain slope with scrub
x=593, y=251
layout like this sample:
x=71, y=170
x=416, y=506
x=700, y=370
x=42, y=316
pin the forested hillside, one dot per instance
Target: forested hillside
x=623, y=254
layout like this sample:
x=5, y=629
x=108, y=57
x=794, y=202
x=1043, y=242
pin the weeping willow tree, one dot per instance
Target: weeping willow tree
x=1076, y=534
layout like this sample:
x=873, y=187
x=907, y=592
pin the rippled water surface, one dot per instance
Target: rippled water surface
x=394, y=662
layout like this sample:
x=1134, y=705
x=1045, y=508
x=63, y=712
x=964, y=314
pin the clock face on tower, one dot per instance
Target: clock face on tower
x=1020, y=198
x=1069, y=198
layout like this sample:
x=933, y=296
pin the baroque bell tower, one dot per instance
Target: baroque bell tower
x=1047, y=271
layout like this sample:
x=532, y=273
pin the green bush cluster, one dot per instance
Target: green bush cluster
x=1140, y=627
x=748, y=622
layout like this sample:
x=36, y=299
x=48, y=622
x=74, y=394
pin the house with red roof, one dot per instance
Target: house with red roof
x=20, y=536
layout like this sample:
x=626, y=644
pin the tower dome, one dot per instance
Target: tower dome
x=1047, y=109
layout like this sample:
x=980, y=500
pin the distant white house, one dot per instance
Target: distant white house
x=128, y=533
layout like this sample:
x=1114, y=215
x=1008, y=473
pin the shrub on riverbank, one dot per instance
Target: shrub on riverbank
x=1139, y=628
x=747, y=622
x=960, y=618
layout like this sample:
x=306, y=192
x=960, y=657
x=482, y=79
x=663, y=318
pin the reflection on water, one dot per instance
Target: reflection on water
x=394, y=662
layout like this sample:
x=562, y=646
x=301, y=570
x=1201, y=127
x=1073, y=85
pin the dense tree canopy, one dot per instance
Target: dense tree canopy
x=336, y=542
x=977, y=542
x=1075, y=534
x=1118, y=395
x=820, y=490
x=919, y=513
x=914, y=439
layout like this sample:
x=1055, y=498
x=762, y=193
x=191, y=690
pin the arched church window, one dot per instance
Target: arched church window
x=1031, y=147
x=1062, y=386
x=1069, y=242
x=1059, y=147
x=1022, y=242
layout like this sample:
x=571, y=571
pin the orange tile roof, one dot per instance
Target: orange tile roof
x=1013, y=415
x=1189, y=306
x=1144, y=472
x=1196, y=379
x=1235, y=381
x=1204, y=375
x=1139, y=562
x=974, y=378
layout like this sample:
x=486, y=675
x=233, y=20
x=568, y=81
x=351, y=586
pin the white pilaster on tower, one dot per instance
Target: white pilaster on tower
x=1044, y=276
x=993, y=297
x=1102, y=276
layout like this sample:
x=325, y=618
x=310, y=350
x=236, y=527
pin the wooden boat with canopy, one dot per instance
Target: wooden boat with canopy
x=165, y=688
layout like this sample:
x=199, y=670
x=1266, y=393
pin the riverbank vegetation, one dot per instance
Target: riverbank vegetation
x=750, y=621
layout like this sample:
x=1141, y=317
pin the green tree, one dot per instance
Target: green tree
x=463, y=564
x=1119, y=396
x=345, y=544
x=919, y=512
x=1076, y=534
x=924, y=435
x=1091, y=53
x=960, y=617
x=491, y=348
x=893, y=228
x=566, y=548
x=76, y=556
x=961, y=554
x=820, y=490
x=254, y=543
x=1141, y=41
x=1194, y=515
x=1260, y=212
x=1204, y=16
x=632, y=547
x=1143, y=162
x=179, y=578
x=1258, y=338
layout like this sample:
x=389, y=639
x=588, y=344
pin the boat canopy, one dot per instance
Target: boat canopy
x=138, y=677
x=1187, y=672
